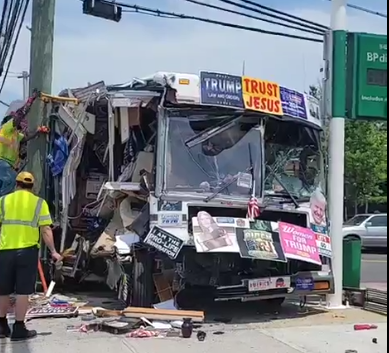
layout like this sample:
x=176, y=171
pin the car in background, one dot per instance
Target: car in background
x=371, y=229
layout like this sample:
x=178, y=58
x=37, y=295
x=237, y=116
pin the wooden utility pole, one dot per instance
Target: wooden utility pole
x=41, y=75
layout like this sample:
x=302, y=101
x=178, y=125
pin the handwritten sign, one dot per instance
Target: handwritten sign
x=164, y=242
x=262, y=96
x=299, y=243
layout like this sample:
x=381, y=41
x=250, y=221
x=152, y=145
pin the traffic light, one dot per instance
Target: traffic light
x=102, y=9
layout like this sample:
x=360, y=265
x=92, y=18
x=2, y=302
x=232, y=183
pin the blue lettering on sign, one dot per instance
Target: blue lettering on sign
x=305, y=283
x=293, y=103
x=221, y=90
x=170, y=219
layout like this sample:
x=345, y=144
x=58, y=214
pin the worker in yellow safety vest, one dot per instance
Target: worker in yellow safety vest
x=11, y=136
x=23, y=217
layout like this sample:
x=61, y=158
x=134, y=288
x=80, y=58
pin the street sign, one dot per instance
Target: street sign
x=367, y=93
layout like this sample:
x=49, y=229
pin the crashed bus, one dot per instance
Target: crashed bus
x=180, y=186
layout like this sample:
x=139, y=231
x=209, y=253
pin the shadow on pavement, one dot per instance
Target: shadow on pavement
x=256, y=312
x=230, y=312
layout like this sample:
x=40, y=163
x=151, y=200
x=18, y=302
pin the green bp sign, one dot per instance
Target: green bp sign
x=367, y=76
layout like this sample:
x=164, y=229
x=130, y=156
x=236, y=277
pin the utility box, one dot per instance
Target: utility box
x=352, y=263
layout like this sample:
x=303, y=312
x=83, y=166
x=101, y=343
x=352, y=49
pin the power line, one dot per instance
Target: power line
x=301, y=28
x=150, y=14
x=371, y=12
x=206, y=20
x=10, y=16
x=3, y=14
x=287, y=15
x=22, y=15
x=4, y=103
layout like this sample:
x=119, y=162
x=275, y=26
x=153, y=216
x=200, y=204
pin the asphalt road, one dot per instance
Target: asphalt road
x=374, y=268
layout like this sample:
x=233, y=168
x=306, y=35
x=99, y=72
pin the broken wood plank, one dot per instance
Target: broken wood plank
x=162, y=314
x=153, y=314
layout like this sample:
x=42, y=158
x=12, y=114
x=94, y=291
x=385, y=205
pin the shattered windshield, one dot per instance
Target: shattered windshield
x=292, y=159
x=209, y=153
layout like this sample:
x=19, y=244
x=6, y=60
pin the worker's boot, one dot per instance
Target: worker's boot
x=20, y=332
x=5, y=331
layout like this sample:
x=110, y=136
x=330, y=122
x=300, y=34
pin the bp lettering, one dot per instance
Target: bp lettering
x=377, y=57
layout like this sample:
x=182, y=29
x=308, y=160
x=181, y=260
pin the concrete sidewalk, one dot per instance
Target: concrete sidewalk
x=324, y=339
x=323, y=333
x=321, y=339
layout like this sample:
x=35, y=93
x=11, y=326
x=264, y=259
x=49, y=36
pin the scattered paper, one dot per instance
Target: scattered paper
x=158, y=325
x=177, y=324
x=161, y=325
x=167, y=305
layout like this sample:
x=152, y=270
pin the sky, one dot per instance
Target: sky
x=89, y=49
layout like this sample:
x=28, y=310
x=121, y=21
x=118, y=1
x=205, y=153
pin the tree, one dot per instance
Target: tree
x=365, y=158
x=365, y=161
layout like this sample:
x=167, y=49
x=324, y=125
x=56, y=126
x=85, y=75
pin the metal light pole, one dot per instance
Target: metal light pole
x=337, y=144
x=25, y=77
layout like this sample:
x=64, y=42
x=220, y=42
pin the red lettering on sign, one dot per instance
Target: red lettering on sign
x=263, y=104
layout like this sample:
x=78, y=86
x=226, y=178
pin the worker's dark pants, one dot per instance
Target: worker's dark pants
x=18, y=269
x=7, y=178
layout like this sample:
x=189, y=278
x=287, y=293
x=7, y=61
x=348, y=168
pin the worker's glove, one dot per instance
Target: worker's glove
x=43, y=129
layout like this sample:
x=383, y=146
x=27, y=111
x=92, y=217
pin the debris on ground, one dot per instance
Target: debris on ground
x=201, y=335
x=153, y=314
x=362, y=327
x=143, y=332
x=337, y=316
x=163, y=320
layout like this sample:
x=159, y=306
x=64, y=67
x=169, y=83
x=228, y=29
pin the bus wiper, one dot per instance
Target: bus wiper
x=252, y=170
x=225, y=124
x=225, y=186
x=288, y=193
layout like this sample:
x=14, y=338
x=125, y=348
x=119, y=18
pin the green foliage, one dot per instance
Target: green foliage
x=379, y=199
x=365, y=161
